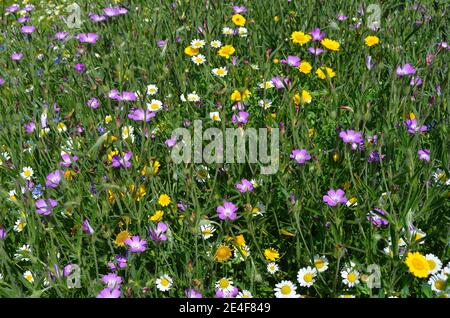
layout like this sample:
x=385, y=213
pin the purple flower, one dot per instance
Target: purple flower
x=28, y=8
x=45, y=207
x=412, y=126
x=16, y=56
x=292, y=60
x=278, y=82
x=240, y=118
x=231, y=294
x=119, y=263
x=406, y=69
x=171, y=142
x=244, y=186
x=90, y=38
x=61, y=36
x=109, y=293
x=115, y=94
x=97, y=18
x=317, y=35
x=111, y=12
x=136, y=244
x=192, y=293
x=112, y=280
x=12, y=8
x=140, y=114
x=375, y=156
x=158, y=234
x=374, y=217
x=86, y=227
x=28, y=29
x=124, y=161
x=29, y=127
x=53, y=179
x=93, y=103
x=315, y=51
x=351, y=136
x=334, y=197
x=161, y=43
x=369, y=62
x=23, y=19
x=227, y=211
x=2, y=81
x=415, y=81
x=129, y=96
x=239, y=9
x=67, y=159
x=372, y=139
x=2, y=232
x=300, y=155
x=424, y=154
x=342, y=17
x=79, y=67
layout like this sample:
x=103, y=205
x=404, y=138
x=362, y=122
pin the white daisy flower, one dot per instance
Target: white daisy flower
x=198, y=59
x=286, y=289
x=154, y=105
x=214, y=116
x=197, y=44
x=193, y=97
x=346, y=296
x=243, y=32
x=227, y=31
x=152, y=89
x=266, y=85
x=350, y=277
x=20, y=225
x=438, y=282
x=259, y=209
x=207, y=231
x=272, y=268
x=321, y=263
x=28, y=276
x=164, y=283
x=434, y=263
x=216, y=44
x=265, y=103
x=128, y=132
x=244, y=294
x=242, y=252
x=221, y=71
x=27, y=173
x=225, y=285
x=306, y=276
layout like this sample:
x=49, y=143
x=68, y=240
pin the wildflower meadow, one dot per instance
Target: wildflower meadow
x=224, y=149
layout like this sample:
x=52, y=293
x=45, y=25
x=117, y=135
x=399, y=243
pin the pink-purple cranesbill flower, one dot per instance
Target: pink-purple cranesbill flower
x=93, y=103
x=227, y=211
x=375, y=157
x=278, y=82
x=413, y=128
x=28, y=29
x=2, y=81
x=109, y=293
x=315, y=50
x=118, y=263
x=12, y=8
x=97, y=18
x=375, y=216
x=192, y=293
x=2, y=232
x=232, y=294
x=16, y=56
x=61, y=36
x=300, y=155
x=140, y=114
x=79, y=67
x=342, y=17
x=239, y=9
x=351, y=136
x=67, y=270
x=405, y=70
x=161, y=43
x=317, y=34
x=29, y=127
x=415, y=81
x=53, y=179
x=86, y=227
x=23, y=19
x=122, y=161
x=292, y=60
x=171, y=142
x=45, y=206
x=67, y=160
x=240, y=118
x=136, y=244
x=159, y=233
x=424, y=154
x=112, y=280
x=129, y=96
x=90, y=38
x=334, y=197
x=244, y=186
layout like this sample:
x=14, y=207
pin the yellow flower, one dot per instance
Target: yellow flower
x=310, y=132
x=271, y=254
x=121, y=237
x=111, y=154
x=276, y=61
x=69, y=174
x=418, y=264
x=157, y=216
x=296, y=99
x=223, y=253
x=191, y=51
x=276, y=18
x=164, y=200
x=111, y=196
x=246, y=94
x=240, y=240
x=299, y=37
x=329, y=72
x=305, y=67
x=306, y=97
x=138, y=194
x=238, y=20
x=108, y=119
x=226, y=51
x=372, y=40
x=236, y=96
x=330, y=44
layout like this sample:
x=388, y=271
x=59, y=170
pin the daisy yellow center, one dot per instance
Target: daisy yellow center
x=220, y=72
x=165, y=282
x=224, y=283
x=29, y=278
x=308, y=277
x=215, y=117
x=152, y=90
x=206, y=232
x=27, y=173
x=439, y=284
x=154, y=106
x=431, y=264
x=319, y=263
x=351, y=277
x=285, y=290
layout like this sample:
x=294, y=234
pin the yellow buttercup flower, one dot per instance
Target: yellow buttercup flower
x=236, y=96
x=157, y=216
x=305, y=67
x=191, y=51
x=330, y=44
x=418, y=265
x=299, y=37
x=329, y=72
x=223, y=253
x=372, y=40
x=271, y=254
x=226, y=51
x=164, y=200
x=238, y=20
x=121, y=237
x=240, y=240
x=306, y=97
